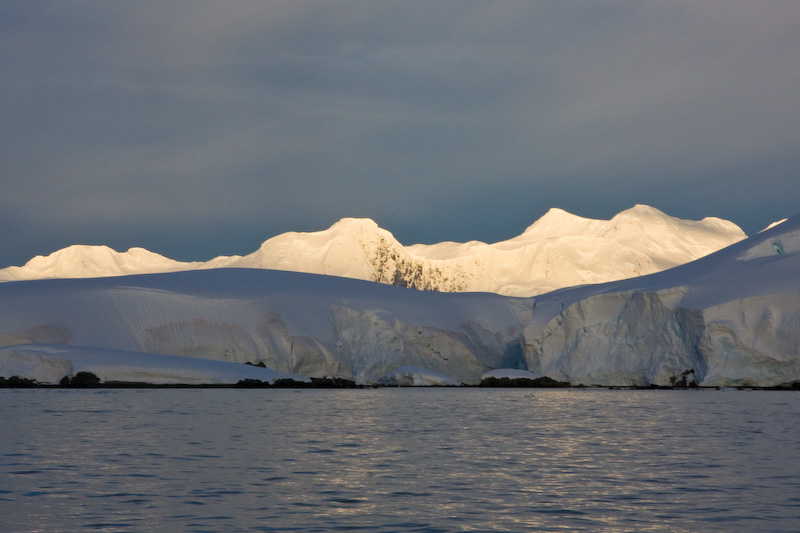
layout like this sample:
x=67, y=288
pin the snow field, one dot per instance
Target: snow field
x=728, y=319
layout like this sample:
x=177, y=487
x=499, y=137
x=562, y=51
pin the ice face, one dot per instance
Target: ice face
x=731, y=318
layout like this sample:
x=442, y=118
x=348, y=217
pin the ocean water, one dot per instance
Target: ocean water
x=442, y=459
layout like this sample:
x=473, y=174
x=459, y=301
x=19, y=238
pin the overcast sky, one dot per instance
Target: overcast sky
x=196, y=129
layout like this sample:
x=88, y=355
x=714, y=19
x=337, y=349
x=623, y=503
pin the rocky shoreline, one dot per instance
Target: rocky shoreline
x=87, y=380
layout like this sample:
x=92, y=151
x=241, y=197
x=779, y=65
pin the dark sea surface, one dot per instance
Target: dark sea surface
x=428, y=459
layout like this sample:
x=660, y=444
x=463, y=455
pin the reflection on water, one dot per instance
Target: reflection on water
x=398, y=460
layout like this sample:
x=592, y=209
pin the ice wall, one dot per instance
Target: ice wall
x=295, y=323
x=732, y=318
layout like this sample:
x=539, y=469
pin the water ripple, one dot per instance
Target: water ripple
x=399, y=460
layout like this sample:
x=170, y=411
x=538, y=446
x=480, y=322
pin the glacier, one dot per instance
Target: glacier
x=558, y=250
x=731, y=318
x=300, y=324
x=46, y=363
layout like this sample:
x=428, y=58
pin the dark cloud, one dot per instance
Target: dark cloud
x=202, y=128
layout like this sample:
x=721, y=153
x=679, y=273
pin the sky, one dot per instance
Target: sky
x=196, y=129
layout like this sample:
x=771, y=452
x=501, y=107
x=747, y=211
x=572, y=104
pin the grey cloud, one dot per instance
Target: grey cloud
x=440, y=120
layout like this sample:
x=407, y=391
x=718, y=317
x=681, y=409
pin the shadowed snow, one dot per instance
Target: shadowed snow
x=730, y=318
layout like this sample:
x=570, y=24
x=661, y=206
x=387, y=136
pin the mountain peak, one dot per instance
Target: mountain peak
x=358, y=223
x=88, y=261
x=558, y=250
x=641, y=211
x=555, y=222
x=555, y=215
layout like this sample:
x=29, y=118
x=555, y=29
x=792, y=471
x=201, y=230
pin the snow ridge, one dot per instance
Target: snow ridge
x=558, y=250
x=731, y=318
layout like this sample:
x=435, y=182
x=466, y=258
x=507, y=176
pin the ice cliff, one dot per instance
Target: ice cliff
x=731, y=318
x=302, y=324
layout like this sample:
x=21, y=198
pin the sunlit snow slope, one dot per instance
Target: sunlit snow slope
x=731, y=318
x=84, y=261
x=559, y=250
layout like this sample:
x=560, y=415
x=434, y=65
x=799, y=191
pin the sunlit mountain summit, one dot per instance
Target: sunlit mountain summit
x=558, y=250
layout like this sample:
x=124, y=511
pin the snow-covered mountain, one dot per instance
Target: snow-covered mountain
x=558, y=250
x=79, y=261
x=85, y=261
x=730, y=318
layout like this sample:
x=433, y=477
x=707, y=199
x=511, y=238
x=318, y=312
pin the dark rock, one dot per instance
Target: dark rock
x=542, y=382
x=252, y=383
x=290, y=383
x=17, y=382
x=84, y=380
x=336, y=383
x=683, y=381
